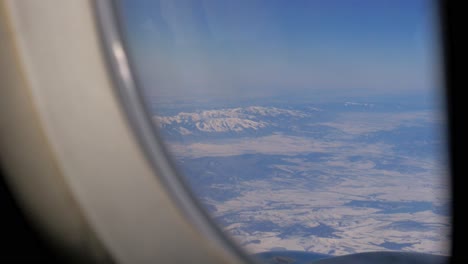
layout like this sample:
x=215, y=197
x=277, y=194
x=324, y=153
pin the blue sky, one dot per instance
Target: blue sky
x=316, y=49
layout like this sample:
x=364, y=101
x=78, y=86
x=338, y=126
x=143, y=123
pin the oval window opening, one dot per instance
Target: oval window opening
x=307, y=129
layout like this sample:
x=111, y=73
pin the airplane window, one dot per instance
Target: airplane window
x=307, y=129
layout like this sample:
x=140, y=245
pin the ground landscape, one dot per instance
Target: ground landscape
x=334, y=178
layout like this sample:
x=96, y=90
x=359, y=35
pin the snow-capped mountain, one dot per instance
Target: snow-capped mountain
x=236, y=120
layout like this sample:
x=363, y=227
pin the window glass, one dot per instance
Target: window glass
x=314, y=126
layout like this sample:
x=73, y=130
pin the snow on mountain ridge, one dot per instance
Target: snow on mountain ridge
x=224, y=120
x=229, y=124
